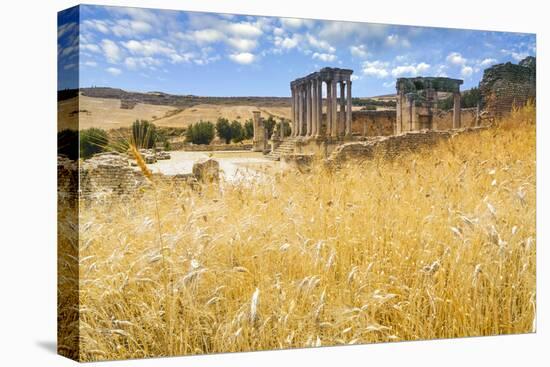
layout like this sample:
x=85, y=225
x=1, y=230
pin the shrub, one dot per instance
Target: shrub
x=223, y=128
x=92, y=141
x=144, y=134
x=269, y=124
x=248, y=129
x=237, y=131
x=200, y=133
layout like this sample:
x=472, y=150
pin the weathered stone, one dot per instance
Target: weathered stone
x=506, y=85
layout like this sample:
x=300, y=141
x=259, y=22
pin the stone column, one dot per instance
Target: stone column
x=259, y=141
x=342, y=112
x=308, y=108
x=334, y=110
x=348, y=109
x=329, y=107
x=456, y=110
x=314, y=109
x=319, y=107
x=292, y=109
x=399, y=113
x=300, y=114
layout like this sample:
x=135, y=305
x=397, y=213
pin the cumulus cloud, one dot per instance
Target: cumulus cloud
x=111, y=51
x=376, y=68
x=149, y=47
x=113, y=71
x=243, y=58
x=488, y=62
x=396, y=40
x=96, y=25
x=242, y=44
x=244, y=29
x=324, y=57
x=456, y=58
x=410, y=70
x=295, y=23
x=319, y=44
x=466, y=71
x=358, y=51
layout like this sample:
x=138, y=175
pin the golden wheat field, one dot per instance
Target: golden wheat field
x=438, y=243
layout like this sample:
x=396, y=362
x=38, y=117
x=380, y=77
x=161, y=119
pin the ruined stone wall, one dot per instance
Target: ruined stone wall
x=506, y=85
x=208, y=147
x=373, y=123
x=443, y=120
x=391, y=146
x=111, y=174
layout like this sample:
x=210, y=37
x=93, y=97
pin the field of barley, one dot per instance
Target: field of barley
x=438, y=243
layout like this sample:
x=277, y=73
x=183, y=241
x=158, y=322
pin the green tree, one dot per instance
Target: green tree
x=202, y=132
x=286, y=127
x=269, y=124
x=471, y=98
x=237, y=132
x=223, y=128
x=92, y=141
x=248, y=129
x=144, y=134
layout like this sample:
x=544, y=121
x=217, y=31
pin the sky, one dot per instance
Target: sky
x=209, y=54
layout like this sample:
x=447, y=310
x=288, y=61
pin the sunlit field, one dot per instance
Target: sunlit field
x=438, y=243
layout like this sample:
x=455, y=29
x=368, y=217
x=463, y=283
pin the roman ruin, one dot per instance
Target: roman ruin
x=417, y=100
x=307, y=104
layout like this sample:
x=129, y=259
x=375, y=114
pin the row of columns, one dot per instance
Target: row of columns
x=307, y=108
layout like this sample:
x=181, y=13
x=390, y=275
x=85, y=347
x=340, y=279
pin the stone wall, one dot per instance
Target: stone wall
x=208, y=148
x=111, y=174
x=443, y=120
x=505, y=85
x=373, y=123
x=391, y=146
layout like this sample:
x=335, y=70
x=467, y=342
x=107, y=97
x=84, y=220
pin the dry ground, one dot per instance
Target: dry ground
x=438, y=243
x=105, y=113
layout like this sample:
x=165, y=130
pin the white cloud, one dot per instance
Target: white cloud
x=205, y=35
x=488, y=62
x=295, y=23
x=286, y=42
x=244, y=29
x=90, y=63
x=90, y=47
x=466, y=71
x=242, y=44
x=517, y=56
x=335, y=31
x=243, y=58
x=324, y=57
x=66, y=28
x=96, y=25
x=113, y=71
x=410, y=70
x=376, y=68
x=422, y=67
x=456, y=58
x=111, y=50
x=396, y=40
x=129, y=28
x=388, y=84
x=354, y=77
x=358, y=51
x=278, y=31
x=150, y=47
x=320, y=44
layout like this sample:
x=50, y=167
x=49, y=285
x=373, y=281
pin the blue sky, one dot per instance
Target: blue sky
x=234, y=55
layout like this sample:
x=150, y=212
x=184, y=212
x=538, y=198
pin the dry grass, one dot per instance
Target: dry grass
x=434, y=244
